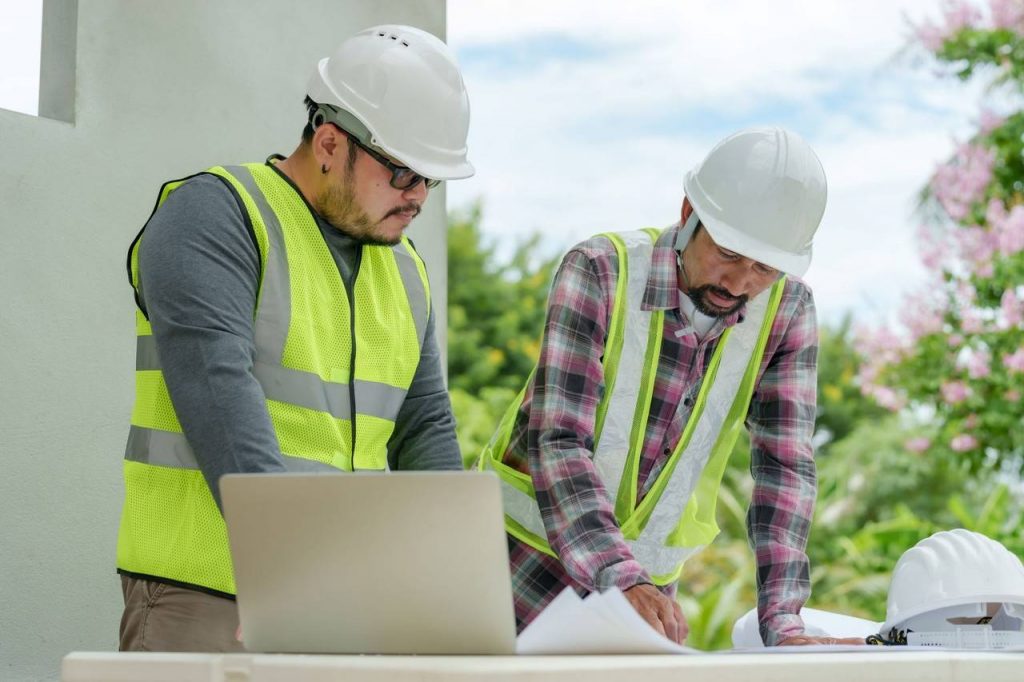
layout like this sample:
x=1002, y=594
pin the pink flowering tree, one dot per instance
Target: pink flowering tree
x=957, y=357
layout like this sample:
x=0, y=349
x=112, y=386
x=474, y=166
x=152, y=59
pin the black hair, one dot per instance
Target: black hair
x=311, y=107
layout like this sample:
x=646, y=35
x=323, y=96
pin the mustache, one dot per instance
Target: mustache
x=724, y=293
x=411, y=206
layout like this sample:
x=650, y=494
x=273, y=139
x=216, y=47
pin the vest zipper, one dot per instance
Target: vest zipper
x=352, y=359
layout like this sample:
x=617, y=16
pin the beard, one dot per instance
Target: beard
x=338, y=206
x=701, y=301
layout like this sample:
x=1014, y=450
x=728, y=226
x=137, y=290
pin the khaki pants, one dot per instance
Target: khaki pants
x=161, y=617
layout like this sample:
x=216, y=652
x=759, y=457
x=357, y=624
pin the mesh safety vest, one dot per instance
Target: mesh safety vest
x=677, y=516
x=334, y=369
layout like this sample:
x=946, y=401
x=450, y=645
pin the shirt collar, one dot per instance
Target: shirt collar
x=662, y=292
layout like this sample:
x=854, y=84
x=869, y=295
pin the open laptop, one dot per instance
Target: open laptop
x=370, y=563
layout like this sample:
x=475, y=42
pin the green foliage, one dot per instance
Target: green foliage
x=496, y=313
x=841, y=405
x=866, y=477
x=876, y=499
x=971, y=50
x=716, y=588
x=495, y=309
x=478, y=417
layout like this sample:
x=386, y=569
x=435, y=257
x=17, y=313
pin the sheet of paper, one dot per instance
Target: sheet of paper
x=602, y=623
x=825, y=649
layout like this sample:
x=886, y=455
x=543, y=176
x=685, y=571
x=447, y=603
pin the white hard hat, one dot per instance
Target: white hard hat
x=403, y=86
x=953, y=568
x=761, y=193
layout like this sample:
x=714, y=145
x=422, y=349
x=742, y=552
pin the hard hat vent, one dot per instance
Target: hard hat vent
x=393, y=36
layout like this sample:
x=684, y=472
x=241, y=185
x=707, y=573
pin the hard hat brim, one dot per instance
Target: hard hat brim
x=936, y=604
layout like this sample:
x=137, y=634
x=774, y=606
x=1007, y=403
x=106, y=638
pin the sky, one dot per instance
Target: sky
x=587, y=115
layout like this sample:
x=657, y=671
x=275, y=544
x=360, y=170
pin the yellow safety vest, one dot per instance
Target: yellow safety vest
x=677, y=516
x=307, y=334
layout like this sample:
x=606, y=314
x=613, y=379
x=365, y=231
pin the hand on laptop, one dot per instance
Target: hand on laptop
x=660, y=612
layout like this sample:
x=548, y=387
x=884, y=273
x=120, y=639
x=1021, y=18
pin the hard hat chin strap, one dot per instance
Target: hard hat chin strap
x=685, y=233
x=325, y=113
x=683, y=238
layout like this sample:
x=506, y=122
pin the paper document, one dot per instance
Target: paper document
x=602, y=623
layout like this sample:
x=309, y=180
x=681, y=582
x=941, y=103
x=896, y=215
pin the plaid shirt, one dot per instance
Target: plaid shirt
x=553, y=437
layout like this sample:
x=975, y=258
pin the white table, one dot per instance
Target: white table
x=906, y=666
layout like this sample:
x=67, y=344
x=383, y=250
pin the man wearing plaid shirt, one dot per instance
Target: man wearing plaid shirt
x=578, y=460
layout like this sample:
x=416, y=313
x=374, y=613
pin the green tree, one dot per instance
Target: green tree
x=496, y=310
x=960, y=353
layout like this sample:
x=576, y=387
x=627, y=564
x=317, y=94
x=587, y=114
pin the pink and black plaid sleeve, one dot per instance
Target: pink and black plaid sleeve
x=577, y=510
x=781, y=426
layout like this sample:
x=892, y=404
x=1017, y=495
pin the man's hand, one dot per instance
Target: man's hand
x=803, y=640
x=663, y=614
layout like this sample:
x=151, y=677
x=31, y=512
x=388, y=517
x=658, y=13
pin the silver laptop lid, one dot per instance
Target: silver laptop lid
x=387, y=563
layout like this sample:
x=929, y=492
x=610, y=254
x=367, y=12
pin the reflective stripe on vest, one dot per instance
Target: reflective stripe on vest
x=661, y=536
x=171, y=526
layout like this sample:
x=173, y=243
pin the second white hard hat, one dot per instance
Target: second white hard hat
x=761, y=192
x=404, y=87
x=949, y=569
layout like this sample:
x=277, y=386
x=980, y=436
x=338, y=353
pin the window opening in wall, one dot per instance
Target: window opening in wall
x=21, y=32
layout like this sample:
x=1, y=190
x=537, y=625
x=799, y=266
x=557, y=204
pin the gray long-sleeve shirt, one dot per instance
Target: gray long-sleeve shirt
x=199, y=270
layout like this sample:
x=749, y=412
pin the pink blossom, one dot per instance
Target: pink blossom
x=977, y=246
x=955, y=340
x=1012, y=308
x=1007, y=14
x=963, y=443
x=988, y=121
x=957, y=14
x=922, y=315
x=918, y=445
x=866, y=376
x=1015, y=362
x=888, y=398
x=960, y=182
x=933, y=248
x=979, y=364
x=1010, y=233
x=960, y=14
x=954, y=392
x=881, y=346
x=1012, y=395
x=995, y=212
x=971, y=422
x=1007, y=227
x=965, y=293
x=972, y=322
x=930, y=35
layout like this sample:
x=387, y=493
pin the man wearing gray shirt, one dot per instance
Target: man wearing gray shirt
x=284, y=323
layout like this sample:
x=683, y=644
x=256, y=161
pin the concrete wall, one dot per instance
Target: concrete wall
x=160, y=90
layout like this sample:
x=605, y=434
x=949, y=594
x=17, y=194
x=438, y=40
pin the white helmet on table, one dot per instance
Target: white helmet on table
x=398, y=89
x=761, y=192
x=957, y=588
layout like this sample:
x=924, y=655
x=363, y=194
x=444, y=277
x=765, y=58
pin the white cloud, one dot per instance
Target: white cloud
x=603, y=107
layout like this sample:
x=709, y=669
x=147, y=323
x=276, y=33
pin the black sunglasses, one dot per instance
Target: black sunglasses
x=402, y=177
